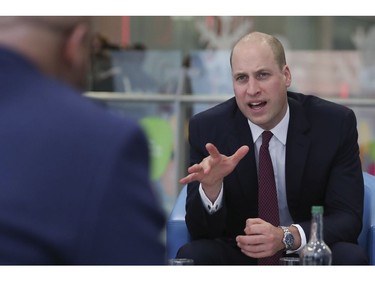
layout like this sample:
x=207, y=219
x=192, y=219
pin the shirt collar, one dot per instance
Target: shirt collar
x=280, y=131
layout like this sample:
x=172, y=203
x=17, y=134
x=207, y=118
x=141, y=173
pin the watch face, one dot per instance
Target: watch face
x=289, y=240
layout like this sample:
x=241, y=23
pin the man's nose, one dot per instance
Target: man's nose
x=253, y=87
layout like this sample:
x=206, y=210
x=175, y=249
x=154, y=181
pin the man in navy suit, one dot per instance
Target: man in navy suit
x=74, y=178
x=315, y=157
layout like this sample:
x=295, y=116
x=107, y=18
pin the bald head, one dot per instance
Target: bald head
x=266, y=39
x=58, y=22
x=58, y=46
x=15, y=30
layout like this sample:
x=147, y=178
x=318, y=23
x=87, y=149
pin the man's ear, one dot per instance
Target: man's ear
x=288, y=76
x=76, y=46
x=75, y=61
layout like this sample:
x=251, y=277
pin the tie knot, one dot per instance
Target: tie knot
x=266, y=136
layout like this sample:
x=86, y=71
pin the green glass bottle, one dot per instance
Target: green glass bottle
x=316, y=251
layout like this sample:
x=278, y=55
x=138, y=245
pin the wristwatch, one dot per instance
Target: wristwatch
x=288, y=238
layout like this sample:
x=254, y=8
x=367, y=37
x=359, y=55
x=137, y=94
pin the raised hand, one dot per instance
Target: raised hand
x=212, y=169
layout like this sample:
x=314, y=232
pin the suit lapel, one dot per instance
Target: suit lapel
x=297, y=147
x=239, y=135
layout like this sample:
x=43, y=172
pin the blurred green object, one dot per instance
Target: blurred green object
x=372, y=151
x=160, y=136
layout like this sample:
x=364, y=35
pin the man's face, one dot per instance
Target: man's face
x=259, y=85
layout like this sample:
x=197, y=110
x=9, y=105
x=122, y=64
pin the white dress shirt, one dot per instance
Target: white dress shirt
x=277, y=147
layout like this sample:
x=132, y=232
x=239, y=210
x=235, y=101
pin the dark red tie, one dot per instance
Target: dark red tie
x=268, y=209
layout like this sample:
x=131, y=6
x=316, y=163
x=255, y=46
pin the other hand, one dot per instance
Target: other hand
x=261, y=239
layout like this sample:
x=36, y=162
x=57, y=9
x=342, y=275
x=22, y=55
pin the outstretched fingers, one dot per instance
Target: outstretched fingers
x=214, y=167
x=240, y=153
x=212, y=150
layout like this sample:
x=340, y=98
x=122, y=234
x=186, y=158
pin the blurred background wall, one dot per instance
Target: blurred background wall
x=163, y=69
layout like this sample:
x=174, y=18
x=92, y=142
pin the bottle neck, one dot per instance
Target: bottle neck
x=317, y=227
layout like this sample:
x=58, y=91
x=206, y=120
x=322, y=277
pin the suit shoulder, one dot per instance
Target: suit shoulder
x=91, y=117
x=222, y=110
x=318, y=106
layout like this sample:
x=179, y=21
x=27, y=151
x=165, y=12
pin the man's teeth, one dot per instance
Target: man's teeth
x=257, y=105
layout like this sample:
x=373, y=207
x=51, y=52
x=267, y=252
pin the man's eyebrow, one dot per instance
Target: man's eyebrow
x=239, y=73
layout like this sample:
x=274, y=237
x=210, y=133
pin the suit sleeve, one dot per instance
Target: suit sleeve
x=200, y=223
x=345, y=188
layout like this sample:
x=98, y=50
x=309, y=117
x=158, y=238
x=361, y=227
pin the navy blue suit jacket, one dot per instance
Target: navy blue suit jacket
x=74, y=178
x=322, y=168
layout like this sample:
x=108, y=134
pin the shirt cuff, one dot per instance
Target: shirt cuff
x=303, y=239
x=208, y=205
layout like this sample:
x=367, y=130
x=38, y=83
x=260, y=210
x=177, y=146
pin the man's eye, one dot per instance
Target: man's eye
x=262, y=75
x=240, y=78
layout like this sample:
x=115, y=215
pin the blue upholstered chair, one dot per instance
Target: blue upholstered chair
x=177, y=233
x=367, y=237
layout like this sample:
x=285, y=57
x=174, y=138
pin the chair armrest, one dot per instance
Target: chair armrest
x=371, y=244
x=367, y=237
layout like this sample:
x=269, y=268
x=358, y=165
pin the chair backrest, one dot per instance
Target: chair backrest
x=365, y=238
